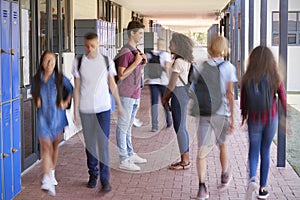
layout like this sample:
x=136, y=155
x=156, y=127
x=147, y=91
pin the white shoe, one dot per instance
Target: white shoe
x=137, y=122
x=137, y=159
x=47, y=185
x=52, y=177
x=127, y=164
x=250, y=193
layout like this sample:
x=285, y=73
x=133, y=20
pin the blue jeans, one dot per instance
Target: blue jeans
x=179, y=103
x=260, y=139
x=96, y=129
x=156, y=90
x=124, y=126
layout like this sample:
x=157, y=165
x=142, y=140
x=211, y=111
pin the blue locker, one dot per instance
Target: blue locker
x=7, y=155
x=1, y=155
x=16, y=146
x=15, y=50
x=0, y=56
x=5, y=51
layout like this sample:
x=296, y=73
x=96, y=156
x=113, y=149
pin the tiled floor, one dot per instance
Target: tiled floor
x=155, y=181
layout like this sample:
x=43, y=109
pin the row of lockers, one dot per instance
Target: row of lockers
x=9, y=62
x=106, y=32
x=10, y=160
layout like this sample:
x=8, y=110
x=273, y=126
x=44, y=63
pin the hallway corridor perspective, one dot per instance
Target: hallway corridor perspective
x=155, y=181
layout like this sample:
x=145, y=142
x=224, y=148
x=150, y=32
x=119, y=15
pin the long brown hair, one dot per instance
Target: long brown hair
x=262, y=62
x=184, y=47
x=37, y=80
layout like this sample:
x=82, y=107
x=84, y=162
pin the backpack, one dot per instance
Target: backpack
x=112, y=100
x=153, y=69
x=259, y=95
x=207, y=89
x=116, y=59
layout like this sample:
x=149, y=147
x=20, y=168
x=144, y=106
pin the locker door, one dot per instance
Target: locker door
x=16, y=153
x=1, y=155
x=15, y=50
x=5, y=51
x=7, y=164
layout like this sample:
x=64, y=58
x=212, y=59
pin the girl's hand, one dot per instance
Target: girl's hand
x=63, y=104
x=38, y=102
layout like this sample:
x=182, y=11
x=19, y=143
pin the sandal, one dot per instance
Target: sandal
x=180, y=166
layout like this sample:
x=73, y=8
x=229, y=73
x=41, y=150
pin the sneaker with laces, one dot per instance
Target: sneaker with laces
x=48, y=186
x=225, y=178
x=129, y=165
x=92, y=181
x=252, y=187
x=202, y=192
x=106, y=187
x=263, y=193
x=137, y=159
x=52, y=177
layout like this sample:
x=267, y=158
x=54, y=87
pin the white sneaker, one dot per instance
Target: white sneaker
x=52, y=177
x=47, y=185
x=137, y=159
x=127, y=164
x=137, y=122
x=250, y=193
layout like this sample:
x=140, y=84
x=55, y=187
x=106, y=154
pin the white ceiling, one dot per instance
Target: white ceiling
x=179, y=15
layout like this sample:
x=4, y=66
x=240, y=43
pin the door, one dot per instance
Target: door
x=28, y=41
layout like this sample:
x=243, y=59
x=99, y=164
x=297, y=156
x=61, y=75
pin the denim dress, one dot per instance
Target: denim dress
x=51, y=120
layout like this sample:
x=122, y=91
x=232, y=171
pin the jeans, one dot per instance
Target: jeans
x=260, y=139
x=96, y=129
x=124, y=126
x=179, y=103
x=156, y=90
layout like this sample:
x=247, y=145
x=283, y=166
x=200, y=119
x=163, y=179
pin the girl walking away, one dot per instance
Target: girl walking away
x=181, y=48
x=47, y=91
x=258, y=105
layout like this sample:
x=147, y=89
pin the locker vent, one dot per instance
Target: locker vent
x=15, y=15
x=5, y=13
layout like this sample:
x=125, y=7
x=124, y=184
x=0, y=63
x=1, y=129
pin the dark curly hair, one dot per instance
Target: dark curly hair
x=184, y=47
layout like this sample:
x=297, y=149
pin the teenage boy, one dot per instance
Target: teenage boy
x=130, y=63
x=93, y=81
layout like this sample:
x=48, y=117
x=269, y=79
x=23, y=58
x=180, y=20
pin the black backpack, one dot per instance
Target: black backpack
x=207, y=89
x=116, y=59
x=259, y=95
x=153, y=69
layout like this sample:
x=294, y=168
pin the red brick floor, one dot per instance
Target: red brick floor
x=155, y=181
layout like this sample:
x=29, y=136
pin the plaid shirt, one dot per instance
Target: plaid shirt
x=263, y=116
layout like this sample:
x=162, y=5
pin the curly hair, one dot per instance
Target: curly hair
x=184, y=47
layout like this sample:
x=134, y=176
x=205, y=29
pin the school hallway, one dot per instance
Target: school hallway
x=155, y=181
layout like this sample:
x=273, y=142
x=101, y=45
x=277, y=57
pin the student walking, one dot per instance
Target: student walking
x=158, y=85
x=215, y=125
x=47, y=92
x=94, y=81
x=260, y=84
x=181, y=48
x=130, y=63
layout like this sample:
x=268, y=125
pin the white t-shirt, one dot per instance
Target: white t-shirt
x=163, y=57
x=227, y=74
x=94, y=89
x=181, y=67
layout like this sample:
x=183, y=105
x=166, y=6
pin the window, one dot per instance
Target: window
x=293, y=28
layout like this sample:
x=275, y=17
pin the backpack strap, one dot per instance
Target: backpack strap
x=106, y=62
x=79, y=62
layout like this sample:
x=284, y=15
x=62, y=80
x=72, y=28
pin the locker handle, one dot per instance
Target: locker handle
x=14, y=150
x=5, y=155
x=3, y=51
x=12, y=52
